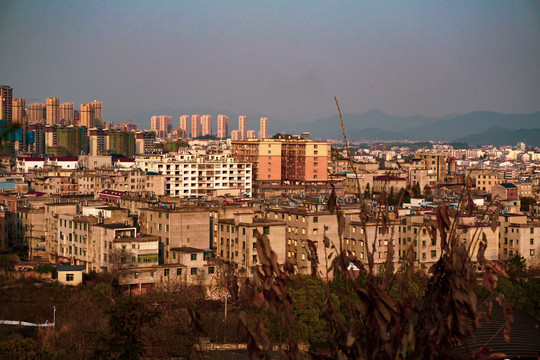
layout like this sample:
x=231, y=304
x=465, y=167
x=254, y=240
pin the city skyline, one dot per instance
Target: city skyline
x=286, y=61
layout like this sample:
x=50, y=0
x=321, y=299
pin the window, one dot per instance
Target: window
x=532, y=241
x=315, y=231
x=433, y=254
x=147, y=258
x=166, y=272
x=193, y=271
x=266, y=230
x=193, y=257
x=179, y=271
x=532, y=252
x=167, y=228
x=254, y=258
x=211, y=270
x=70, y=277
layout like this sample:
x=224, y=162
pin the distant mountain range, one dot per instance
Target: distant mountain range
x=479, y=127
x=503, y=136
x=375, y=125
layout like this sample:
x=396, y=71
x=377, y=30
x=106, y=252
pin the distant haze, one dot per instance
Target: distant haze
x=284, y=59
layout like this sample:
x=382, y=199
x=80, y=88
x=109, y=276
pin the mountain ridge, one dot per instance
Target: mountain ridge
x=371, y=125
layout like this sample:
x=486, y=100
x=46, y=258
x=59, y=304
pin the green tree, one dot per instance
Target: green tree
x=44, y=268
x=127, y=321
x=516, y=268
x=416, y=190
x=404, y=196
x=309, y=324
x=7, y=261
x=428, y=193
x=391, y=200
x=526, y=202
x=15, y=346
x=367, y=192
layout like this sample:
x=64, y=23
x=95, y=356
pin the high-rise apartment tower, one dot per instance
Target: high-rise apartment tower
x=206, y=125
x=67, y=113
x=36, y=113
x=19, y=112
x=53, y=104
x=222, y=126
x=195, y=126
x=242, y=120
x=6, y=107
x=263, y=132
x=184, y=126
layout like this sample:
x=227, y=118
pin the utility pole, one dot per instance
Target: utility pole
x=54, y=316
x=225, y=321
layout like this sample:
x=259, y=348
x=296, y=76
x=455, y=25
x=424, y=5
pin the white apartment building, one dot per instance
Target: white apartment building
x=188, y=175
x=519, y=236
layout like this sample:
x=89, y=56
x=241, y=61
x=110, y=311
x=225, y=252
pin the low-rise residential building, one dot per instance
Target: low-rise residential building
x=519, y=236
x=310, y=223
x=505, y=192
x=486, y=180
x=386, y=183
x=525, y=189
x=176, y=227
x=70, y=274
x=236, y=240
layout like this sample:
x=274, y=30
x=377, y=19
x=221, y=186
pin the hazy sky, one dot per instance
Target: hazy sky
x=286, y=59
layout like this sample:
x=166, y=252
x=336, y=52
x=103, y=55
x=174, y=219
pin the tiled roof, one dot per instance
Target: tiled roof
x=64, y=158
x=524, y=334
x=70, y=268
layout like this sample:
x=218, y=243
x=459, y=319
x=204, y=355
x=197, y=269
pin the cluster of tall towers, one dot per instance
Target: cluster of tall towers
x=243, y=133
x=200, y=125
x=161, y=125
x=46, y=127
x=52, y=112
x=196, y=125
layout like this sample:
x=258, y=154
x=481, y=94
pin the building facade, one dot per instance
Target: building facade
x=191, y=176
x=222, y=126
